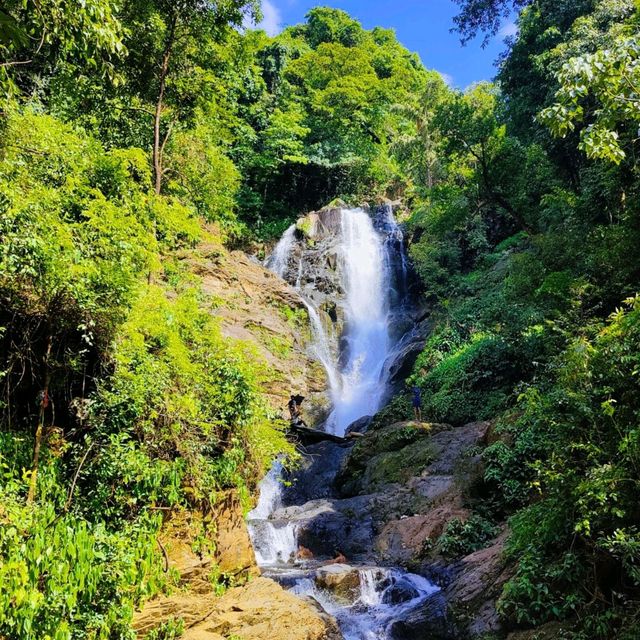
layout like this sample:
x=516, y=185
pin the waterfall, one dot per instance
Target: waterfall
x=376, y=604
x=274, y=542
x=352, y=276
x=279, y=259
x=321, y=347
x=370, y=593
x=365, y=279
x=367, y=274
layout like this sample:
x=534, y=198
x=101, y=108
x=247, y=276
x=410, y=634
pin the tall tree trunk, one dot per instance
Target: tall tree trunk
x=157, y=120
x=44, y=403
x=498, y=198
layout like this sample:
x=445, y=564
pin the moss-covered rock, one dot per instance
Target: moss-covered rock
x=397, y=466
x=386, y=456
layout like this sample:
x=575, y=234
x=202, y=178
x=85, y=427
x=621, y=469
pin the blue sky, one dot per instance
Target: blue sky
x=421, y=25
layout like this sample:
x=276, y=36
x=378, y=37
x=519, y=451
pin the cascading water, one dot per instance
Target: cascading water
x=369, y=267
x=366, y=336
x=277, y=261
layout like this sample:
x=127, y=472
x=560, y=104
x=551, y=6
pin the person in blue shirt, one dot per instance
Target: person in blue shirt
x=416, y=401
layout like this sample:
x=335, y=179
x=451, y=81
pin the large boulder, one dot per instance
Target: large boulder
x=259, y=610
x=432, y=620
x=393, y=454
x=417, y=475
x=221, y=535
x=406, y=539
x=476, y=585
x=342, y=580
x=313, y=478
x=327, y=526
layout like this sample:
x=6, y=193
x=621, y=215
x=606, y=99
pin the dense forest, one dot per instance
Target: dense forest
x=132, y=131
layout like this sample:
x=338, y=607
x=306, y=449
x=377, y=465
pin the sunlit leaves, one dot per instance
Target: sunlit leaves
x=611, y=77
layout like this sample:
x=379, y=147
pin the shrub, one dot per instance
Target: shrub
x=461, y=538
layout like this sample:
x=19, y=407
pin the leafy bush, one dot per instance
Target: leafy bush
x=60, y=573
x=461, y=538
x=578, y=441
x=470, y=382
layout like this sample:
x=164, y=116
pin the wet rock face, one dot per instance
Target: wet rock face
x=313, y=266
x=431, y=621
x=255, y=305
x=313, y=479
x=416, y=478
x=326, y=527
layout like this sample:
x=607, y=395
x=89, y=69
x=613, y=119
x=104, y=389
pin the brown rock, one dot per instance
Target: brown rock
x=222, y=541
x=406, y=539
x=478, y=582
x=256, y=306
x=260, y=610
x=233, y=550
x=341, y=579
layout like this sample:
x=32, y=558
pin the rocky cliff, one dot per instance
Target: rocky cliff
x=253, y=305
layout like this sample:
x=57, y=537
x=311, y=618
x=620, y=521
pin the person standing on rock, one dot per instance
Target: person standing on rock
x=416, y=401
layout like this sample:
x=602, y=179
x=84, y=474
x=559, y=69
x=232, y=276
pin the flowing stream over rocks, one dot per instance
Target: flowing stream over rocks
x=350, y=268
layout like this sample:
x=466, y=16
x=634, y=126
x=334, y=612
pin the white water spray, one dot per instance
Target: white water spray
x=279, y=259
x=366, y=282
x=274, y=542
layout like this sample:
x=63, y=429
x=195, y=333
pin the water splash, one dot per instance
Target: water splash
x=270, y=496
x=278, y=261
x=383, y=597
x=275, y=542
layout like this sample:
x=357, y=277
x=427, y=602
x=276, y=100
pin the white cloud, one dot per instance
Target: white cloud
x=447, y=78
x=271, y=20
x=509, y=29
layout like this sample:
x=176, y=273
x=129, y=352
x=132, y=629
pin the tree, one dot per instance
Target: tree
x=483, y=16
x=417, y=149
x=610, y=79
x=169, y=43
x=471, y=131
x=41, y=33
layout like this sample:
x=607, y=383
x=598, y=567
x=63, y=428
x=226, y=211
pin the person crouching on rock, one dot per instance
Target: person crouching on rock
x=339, y=559
x=295, y=412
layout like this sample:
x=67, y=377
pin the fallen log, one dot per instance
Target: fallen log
x=306, y=435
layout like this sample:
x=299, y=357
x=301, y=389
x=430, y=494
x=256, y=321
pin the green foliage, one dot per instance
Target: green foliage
x=191, y=396
x=525, y=248
x=59, y=32
x=170, y=630
x=461, y=538
x=608, y=77
x=466, y=381
x=61, y=573
x=332, y=106
x=147, y=407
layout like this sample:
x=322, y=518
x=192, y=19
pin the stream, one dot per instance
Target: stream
x=356, y=270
